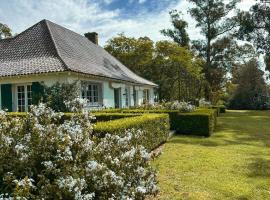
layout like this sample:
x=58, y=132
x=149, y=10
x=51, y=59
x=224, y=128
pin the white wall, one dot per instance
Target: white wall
x=67, y=77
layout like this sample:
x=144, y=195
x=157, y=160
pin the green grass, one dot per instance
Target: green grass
x=234, y=163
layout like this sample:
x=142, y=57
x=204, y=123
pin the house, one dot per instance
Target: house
x=48, y=53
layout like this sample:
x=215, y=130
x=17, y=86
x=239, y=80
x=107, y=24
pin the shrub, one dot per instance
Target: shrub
x=58, y=94
x=201, y=122
x=222, y=109
x=42, y=159
x=155, y=128
x=181, y=106
x=204, y=104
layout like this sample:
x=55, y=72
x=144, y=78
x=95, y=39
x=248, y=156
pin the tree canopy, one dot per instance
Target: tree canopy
x=164, y=62
x=5, y=31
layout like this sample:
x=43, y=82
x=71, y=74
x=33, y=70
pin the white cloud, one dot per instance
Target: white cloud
x=83, y=16
x=142, y=1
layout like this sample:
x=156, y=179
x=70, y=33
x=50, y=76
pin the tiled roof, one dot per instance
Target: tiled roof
x=48, y=47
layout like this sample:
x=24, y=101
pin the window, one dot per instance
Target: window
x=90, y=91
x=24, y=97
x=145, y=96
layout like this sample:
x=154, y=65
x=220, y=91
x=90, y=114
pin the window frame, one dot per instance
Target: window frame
x=92, y=92
x=26, y=97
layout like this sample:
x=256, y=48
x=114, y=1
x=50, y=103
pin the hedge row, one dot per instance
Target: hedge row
x=155, y=127
x=200, y=122
x=100, y=117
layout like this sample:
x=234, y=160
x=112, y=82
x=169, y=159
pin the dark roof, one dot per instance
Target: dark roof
x=48, y=47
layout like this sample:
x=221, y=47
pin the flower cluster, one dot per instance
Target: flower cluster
x=182, y=106
x=203, y=103
x=41, y=158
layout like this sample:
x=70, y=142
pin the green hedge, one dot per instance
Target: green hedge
x=100, y=117
x=155, y=127
x=201, y=122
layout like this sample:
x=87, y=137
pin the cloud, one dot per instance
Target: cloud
x=88, y=15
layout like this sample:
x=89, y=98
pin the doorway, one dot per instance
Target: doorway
x=117, y=97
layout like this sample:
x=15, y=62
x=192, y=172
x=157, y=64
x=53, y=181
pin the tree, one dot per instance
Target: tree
x=255, y=28
x=172, y=67
x=134, y=53
x=178, y=33
x=5, y=31
x=211, y=17
x=252, y=91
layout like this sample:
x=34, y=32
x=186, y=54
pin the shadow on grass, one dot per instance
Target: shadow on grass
x=259, y=167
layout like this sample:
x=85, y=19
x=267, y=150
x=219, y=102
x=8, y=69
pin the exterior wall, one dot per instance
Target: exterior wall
x=107, y=87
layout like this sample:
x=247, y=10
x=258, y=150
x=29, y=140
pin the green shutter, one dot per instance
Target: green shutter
x=37, y=92
x=6, y=97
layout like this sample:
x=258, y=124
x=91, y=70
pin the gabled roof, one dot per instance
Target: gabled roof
x=48, y=47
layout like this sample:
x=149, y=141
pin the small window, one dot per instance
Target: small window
x=90, y=91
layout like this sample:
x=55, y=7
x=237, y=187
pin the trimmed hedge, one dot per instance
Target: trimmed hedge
x=100, y=117
x=201, y=122
x=155, y=127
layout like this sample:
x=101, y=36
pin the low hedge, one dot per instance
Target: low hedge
x=155, y=127
x=100, y=117
x=201, y=122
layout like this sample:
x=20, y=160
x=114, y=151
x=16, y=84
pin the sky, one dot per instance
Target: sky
x=135, y=18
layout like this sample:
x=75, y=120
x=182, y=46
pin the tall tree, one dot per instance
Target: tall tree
x=136, y=54
x=255, y=27
x=252, y=91
x=211, y=18
x=178, y=33
x=165, y=63
x=5, y=31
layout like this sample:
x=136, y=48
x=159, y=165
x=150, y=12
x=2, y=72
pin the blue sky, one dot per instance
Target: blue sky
x=107, y=17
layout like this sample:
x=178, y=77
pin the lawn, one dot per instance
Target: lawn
x=234, y=163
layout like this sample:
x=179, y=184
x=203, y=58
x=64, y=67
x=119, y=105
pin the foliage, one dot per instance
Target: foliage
x=58, y=94
x=201, y=122
x=255, y=27
x=204, y=103
x=251, y=92
x=212, y=18
x=181, y=106
x=42, y=159
x=5, y=31
x=178, y=33
x=174, y=68
x=155, y=128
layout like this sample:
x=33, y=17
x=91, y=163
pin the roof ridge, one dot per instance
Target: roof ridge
x=55, y=46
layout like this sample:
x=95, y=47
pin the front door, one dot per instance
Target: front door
x=117, y=97
x=24, y=97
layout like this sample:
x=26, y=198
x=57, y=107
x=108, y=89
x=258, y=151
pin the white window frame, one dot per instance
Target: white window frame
x=93, y=96
x=26, y=99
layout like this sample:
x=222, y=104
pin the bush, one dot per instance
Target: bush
x=201, y=122
x=155, y=128
x=42, y=159
x=222, y=109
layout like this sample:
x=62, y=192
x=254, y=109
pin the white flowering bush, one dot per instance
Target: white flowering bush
x=182, y=106
x=41, y=158
x=205, y=104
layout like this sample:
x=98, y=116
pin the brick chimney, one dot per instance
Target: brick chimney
x=92, y=36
